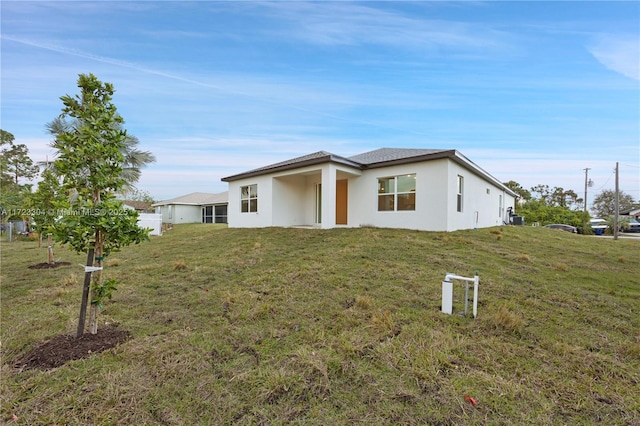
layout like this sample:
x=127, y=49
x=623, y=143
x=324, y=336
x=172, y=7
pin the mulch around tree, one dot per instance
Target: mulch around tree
x=61, y=349
x=46, y=265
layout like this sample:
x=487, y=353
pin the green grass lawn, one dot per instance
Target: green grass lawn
x=343, y=326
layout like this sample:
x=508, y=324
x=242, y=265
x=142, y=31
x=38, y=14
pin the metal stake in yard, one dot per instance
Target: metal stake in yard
x=447, y=293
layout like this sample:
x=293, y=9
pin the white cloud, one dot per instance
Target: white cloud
x=619, y=53
x=338, y=23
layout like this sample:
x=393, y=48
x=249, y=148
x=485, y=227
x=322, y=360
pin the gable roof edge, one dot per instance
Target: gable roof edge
x=327, y=157
x=464, y=161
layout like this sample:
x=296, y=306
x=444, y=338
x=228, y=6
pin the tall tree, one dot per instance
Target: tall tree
x=543, y=192
x=91, y=147
x=18, y=163
x=604, y=204
x=15, y=165
x=6, y=142
x=523, y=194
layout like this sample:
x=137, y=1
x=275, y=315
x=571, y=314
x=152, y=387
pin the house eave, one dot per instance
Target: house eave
x=470, y=165
x=284, y=167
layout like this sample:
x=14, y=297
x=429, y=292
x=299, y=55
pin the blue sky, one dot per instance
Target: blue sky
x=533, y=92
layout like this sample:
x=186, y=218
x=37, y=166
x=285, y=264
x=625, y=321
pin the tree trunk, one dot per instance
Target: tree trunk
x=93, y=318
x=85, y=295
x=49, y=249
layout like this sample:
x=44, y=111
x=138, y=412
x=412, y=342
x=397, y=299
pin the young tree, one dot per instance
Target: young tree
x=91, y=147
x=47, y=202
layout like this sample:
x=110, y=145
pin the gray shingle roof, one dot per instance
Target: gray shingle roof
x=197, y=199
x=384, y=155
x=387, y=156
x=377, y=158
x=306, y=160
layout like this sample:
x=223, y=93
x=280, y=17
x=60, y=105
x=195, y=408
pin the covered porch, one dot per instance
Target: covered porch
x=317, y=197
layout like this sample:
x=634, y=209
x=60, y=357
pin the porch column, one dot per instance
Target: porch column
x=328, y=197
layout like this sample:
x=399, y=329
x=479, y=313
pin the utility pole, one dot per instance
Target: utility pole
x=586, y=182
x=616, y=226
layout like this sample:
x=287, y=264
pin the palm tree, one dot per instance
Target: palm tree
x=134, y=159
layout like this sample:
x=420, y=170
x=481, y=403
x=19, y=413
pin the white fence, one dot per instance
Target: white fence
x=151, y=220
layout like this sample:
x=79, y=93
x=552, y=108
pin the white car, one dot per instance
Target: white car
x=598, y=225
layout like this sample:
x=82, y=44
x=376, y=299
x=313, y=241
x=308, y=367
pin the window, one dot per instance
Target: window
x=397, y=193
x=500, y=206
x=220, y=214
x=170, y=211
x=207, y=214
x=249, y=199
x=459, y=193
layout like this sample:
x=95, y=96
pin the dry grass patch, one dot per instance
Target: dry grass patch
x=506, y=319
x=560, y=266
x=112, y=262
x=364, y=302
x=70, y=280
x=179, y=266
x=383, y=322
x=524, y=258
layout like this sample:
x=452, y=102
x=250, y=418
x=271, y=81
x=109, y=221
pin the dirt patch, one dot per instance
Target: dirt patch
x=61, y=349
x=46, y=265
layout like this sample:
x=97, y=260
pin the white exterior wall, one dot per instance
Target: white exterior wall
x=180, y=213
x=289, y=199
x=481, y=201
x=263, y=217
x=187, y=214
x=431, y=195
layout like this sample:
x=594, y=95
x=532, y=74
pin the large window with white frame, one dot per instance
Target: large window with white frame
x=249, y=198
x=397, y=193
x=460, y=194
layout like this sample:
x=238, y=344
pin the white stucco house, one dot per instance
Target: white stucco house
x=423, y=189
x=197, y=207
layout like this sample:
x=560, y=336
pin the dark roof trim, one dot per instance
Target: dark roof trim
x=320, y=157
x=372, y=160
x=470, y=165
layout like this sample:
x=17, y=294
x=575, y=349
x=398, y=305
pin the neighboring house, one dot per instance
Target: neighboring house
x=197, y=207
x=633, y=213
x=139, y=206
x=425, y=189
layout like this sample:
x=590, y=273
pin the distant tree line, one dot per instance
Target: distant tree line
x=545, y=205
